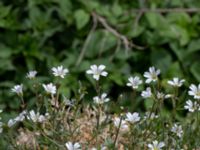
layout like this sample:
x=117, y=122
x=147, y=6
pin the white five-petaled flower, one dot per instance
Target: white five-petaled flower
x=191, y=106
x=19, y=118
x=132, y=117
x=31, y=74
x=134, y=82
x=97, y=71
x=102, y=99
x=50, y=88
x=59, y=71
x=152, y=75
x=147, y=93
x=11, y=122
x=160, y=95
x=156, y=145
x=120, y=123
x=18, y=89
x=36, y=117
x=177, y=129
x=71, y=146
x=176, y=82
x=194, y=91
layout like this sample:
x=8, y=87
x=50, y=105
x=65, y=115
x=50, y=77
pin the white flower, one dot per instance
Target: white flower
x=134, y=82
x=36, y=117
x=147, y=93
x=134, y=117
x=152, y=75
x=21, y=116
x=168, y=96
x=71, y=146
x=176, y=82
x=11, y=122
x=68, y=102
x=102, y=99
x=59, y=71
x=123, y=125
x=50, y=88
x=190, y=106
x=194, y=91
x=18, y=89
x=31, y=74
x=97, y=71
x=177, y=130
x=160, y=95
x=156, y=146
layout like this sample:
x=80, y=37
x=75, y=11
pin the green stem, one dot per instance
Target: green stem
x=118, y=129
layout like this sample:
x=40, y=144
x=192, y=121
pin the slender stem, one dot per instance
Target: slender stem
x=22, y=100
x=118, y=129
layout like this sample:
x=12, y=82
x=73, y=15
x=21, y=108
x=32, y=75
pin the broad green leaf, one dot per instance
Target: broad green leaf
x=155, y=20
x=161, y=59
x=81, y=18
x=195, y=70
x=116, y=9
x=193, y=46
x=5, y=52
x=4, y=11
x=175, y=70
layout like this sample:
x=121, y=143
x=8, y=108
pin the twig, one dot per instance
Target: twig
x=167, y=10
x=83, y=50
x=122, y=37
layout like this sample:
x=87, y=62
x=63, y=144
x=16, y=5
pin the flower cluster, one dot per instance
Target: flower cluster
x=75, y=124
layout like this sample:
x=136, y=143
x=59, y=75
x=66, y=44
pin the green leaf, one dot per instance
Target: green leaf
x=161, y=59
x=117, y=10
x=175, y=70
x=5, y=52
x=4, y=11
x=148, y=103
x=193, y=46
x=195, y=70
x=81, y=18
x=156, y=20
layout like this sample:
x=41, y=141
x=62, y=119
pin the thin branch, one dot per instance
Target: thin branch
x=167, y=10
x=122, y=37
x=83, y=50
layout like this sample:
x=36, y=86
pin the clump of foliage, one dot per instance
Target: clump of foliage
x=78, y=122
x=120, y=34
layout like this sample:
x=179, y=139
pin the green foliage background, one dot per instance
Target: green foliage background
x=40, y=34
